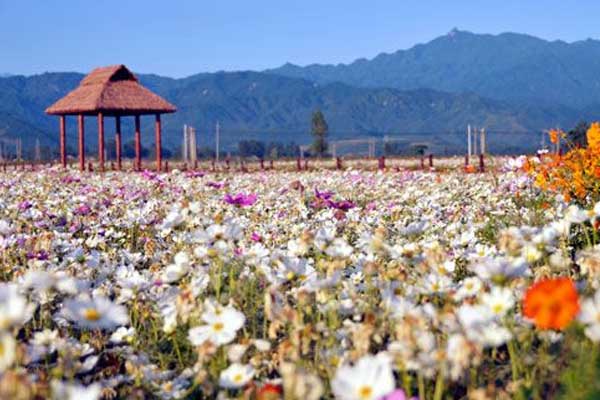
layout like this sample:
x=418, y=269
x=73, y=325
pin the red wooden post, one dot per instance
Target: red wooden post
x=431, y=161
x=80, y=123
x=138, y=144
x=481, y=163
x=262, y=164
x=227, y=163
x=101, y=141
x=466, y=160
x=167, y=166
x=306, y=164
x=195, y=164
x=381, y=163
x=298, y=164
x=118, y=141
x=158, y=143
x=63, y=144
x=90, y=167
x=338, y=163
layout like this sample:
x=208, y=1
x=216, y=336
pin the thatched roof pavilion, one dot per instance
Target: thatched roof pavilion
x=110, y=91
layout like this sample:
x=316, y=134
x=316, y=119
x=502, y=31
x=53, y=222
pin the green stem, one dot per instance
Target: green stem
x=439, y=385
x=421, y=383
x=513, y=360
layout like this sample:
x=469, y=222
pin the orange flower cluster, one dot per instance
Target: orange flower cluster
x=576, y=174
x=551, y=303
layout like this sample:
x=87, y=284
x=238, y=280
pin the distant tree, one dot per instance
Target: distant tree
x=419, y=149
x=319, y=130
x=249, y=148
x=577, y=135
x=393, y=149
x=129, y=150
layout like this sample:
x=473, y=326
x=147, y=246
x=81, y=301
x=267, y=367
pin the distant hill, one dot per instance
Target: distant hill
x=513, y=67
x=270, y=107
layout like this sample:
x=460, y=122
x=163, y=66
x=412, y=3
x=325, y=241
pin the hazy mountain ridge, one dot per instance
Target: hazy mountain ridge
x=509, y=66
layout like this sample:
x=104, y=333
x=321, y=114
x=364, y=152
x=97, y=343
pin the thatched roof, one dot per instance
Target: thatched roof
x=112, y=90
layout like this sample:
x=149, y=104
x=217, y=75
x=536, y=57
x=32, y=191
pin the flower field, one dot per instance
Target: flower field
x=351, y=284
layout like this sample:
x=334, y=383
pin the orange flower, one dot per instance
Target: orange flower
x=553, y=133
x=593, y=136
x=551, y=303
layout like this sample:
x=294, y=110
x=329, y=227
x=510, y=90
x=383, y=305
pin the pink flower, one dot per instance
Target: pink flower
x=216, y=185
x=240, y=199
x=255, y=237
x=397, y=394
x=343, y=205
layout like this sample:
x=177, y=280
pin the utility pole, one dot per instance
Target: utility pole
x=217, y=134
x=38, y=152
x=469, y=140
x=184, y=148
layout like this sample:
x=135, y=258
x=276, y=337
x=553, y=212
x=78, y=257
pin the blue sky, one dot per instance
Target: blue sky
x=180, y=38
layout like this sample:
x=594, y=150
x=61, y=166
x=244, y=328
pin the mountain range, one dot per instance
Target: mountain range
x=514, y=85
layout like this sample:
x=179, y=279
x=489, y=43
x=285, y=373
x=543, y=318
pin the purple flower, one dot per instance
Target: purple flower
x=343, y=205
x=216, y=185
x=83, y=209
x=240, y=199
x=194, y=174
x=323, y=195
x=255, y=237
x=24, y=205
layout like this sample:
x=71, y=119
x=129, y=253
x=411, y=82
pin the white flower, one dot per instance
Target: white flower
x=14, y=308
x=468, y=287
x=177, y=270
x=73, y=391
x=236, y=376
x=491, y=268
x=590, y=316
x=339, y=248
x=121, y=335
x=222, y=324
x=95, y=313
x=8, y=347
x=498, y=301
x=370, y=378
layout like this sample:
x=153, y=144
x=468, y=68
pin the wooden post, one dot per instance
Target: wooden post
x=431, y=161
x=422, y=162
x=306, y=164
x=262, y=164
x=381, y=163
x=466, y=160
x=481, y=163
x=101, y=141
x=80, y=123
x=271, y=164
x=158, y=144
x=63, y=143
x=138, y=145
x=338, y=163
x=118, y=141
x=298, y=164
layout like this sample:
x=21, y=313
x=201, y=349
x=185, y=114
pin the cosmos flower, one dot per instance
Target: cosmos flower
x=370, y=378
x=95, y=313
x=240, y=199
x=236, y=376
x=590, y=316
x=221, y=326
x=551, y=303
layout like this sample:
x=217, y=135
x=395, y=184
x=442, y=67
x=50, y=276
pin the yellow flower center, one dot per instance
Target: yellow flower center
x=365, y=392
x=218, y=326
x=1, y=350
x=497, y=308
x=237, y=378
x=91, y=314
